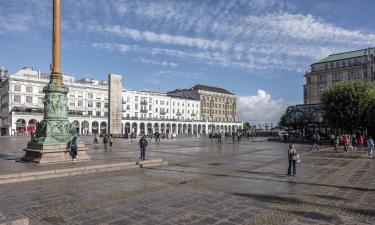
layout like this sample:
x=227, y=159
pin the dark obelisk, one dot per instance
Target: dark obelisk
x=49, y=143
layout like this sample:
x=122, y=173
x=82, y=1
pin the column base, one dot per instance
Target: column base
x=52, y=153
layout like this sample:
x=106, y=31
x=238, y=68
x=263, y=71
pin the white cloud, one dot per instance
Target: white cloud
x=260, y=108
x=270, y=37
x=160, y=63
x=167, y=39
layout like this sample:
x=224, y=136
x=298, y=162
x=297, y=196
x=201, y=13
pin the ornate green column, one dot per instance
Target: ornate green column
x=49, y=143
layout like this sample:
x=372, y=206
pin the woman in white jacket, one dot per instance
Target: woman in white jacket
x=292, y=158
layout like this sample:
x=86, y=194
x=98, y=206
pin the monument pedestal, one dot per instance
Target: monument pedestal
x=56, y=153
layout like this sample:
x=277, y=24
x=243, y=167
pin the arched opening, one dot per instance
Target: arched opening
x=85, y=127
x=103, y=127
x=189, y=129
x=168, y=129
x=179, y=128
x=174, y=128
x=94, y=127
x=184, y=129
x=203, y=129
x=156, y=127
x=142, y=128
x=21, y=126
x=195, y=129
x=162, y=128
x=76, y=126
x=149, y=128
x=127, y=128
x=134, y=129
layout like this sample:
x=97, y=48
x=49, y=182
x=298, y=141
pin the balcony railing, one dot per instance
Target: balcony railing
x=144, y=102
x=144, y=110
x=162, y=112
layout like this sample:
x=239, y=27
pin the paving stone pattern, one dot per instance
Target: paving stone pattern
x=235, y=183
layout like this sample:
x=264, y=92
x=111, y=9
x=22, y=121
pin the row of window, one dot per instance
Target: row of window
x=208, y=104
x=144, y=116
x=161, y=102
x=28, y=99
x=354, y=74
x=89, y=104
x=219, y=119
x=216, y=99
x=338, y=64
x=216, y=111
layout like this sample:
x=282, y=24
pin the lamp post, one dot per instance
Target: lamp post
x=49, y=144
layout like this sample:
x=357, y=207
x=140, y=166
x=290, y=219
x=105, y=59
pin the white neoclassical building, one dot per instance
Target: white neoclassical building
x=21, y=107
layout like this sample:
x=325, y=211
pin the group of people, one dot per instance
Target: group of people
x=352, y=142
x=349, y=142
x=107, y=139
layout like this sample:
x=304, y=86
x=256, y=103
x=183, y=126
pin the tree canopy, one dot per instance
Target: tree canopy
x=246, y=126
x=345, y=104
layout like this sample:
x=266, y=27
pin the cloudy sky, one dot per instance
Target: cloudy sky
x=258, y=49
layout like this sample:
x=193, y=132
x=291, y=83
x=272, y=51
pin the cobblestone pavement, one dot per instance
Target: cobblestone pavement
x=235, y=183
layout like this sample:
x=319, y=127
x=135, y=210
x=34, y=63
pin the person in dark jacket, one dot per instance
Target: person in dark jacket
x=105, y=141
x=143, y=144
x=74, y=147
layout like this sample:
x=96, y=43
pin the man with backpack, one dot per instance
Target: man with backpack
x=73, y=147
x=143, y=144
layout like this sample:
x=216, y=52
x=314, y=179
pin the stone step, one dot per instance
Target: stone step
x=78, y=170
x=149, y=161
x=15, y=221
x=157, y=164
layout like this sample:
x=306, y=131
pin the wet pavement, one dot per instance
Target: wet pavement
x=235, y=183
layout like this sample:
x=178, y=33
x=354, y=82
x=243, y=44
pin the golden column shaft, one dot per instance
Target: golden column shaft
x=56, y=42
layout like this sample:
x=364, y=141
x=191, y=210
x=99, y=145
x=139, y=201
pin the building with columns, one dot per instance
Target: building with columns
x=143, y=111
x=359, y=64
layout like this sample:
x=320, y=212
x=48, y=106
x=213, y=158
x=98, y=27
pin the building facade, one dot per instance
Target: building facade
x=357, y=64
x=216, y=104
x=143, y=112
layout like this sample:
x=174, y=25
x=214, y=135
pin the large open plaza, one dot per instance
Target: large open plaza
x=149, y=112
x=205, y=183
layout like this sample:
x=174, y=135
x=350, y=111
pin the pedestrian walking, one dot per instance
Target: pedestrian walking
x=370, y=146
x=74, y=147
x=96, y=139
x=105, y=141
x=111, y=140
x=219, y=140
x=361, y=142
x=337, y=143
x=292, y=158
x=354, y=142
x=316, y=139
x=142, y=145
x=332, y=140
x=345, y=140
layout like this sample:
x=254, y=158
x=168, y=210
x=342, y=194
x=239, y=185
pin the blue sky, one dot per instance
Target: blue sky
x=259, y=49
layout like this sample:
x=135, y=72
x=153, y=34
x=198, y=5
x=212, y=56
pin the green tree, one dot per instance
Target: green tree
x=345, y=104
x=246, y=126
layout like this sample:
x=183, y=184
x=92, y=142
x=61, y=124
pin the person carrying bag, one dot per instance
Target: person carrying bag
x=293, y=159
